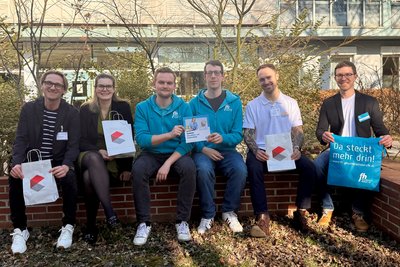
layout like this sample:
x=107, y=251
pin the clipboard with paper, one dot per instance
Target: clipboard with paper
x=118, y=136
x=279, y=148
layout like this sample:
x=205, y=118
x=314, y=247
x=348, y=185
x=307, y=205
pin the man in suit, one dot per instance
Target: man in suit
x=50, y=125
x=342, y=114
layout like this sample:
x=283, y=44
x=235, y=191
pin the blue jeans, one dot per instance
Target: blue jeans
x=321, y=168
x=232, y=167
x=361, y=199
x=257, y=169
x=146, y=166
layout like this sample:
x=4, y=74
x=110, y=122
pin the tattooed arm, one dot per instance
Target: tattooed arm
x=250, y=140
x=297, y=140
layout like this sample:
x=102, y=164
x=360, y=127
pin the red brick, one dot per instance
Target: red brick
x=279, y=199
x=395, y=220
x=280, y=192
x=121, y=190
x=395, y=203
x=117, y=198
x=161, y=203
x=390, y=192
x=380, y=212
x=36, y=209
x=47, y=216
x=163, y=210
x=382, y=197
x=390, y=209
x=3, y=181
x=54, y=208
x=3, y=196
x=166, y=196
x=387, y=225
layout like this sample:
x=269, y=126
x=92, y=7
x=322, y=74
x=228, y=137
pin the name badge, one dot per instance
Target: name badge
x=62, y=136
x=275, y=111
x=363, y=117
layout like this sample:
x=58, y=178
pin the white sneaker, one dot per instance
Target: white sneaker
x=19, y=240
x=231, y=219
x=65, y=239
x=183, y=231
x=142, y=233
x=205, y=225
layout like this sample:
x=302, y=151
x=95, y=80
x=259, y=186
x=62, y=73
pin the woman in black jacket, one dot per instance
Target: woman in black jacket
x=96, y=166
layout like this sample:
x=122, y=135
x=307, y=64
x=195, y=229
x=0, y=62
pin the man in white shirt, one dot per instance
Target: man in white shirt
x=274, y=113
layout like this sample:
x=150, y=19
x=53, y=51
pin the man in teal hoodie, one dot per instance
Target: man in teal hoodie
x=218, y=153
x=160, y=134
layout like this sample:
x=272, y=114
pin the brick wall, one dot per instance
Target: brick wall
x=281, y=190
x=386, y=206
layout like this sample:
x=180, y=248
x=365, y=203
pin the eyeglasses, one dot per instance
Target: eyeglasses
x=347, y=75
x=215, y=72
x=107, y=87
x=49, y=84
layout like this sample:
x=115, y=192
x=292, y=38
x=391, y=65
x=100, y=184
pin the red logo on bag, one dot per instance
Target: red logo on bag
x=116, y=137
x=35, y=183
x=277, y=153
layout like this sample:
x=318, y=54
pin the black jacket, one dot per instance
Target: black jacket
x=89, y=135
x=331, y=117
x=30, y=131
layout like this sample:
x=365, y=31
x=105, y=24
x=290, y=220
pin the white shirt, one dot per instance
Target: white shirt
x=349, y=126
x=268, y=117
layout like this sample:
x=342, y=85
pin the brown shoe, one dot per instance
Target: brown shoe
x=261, y=228
x=360, y=223
x=325, y=219
x=300, y=220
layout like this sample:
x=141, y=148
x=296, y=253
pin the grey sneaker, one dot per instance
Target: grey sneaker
x=182, y=229
x=65, y=239
x=231, y=219
x=19, y=239
x=205, y=225
x=142, y=233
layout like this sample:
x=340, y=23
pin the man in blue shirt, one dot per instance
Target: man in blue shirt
x=224, y=111
x=160, y=134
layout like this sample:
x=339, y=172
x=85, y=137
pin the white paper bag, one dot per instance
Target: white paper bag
x=118, y=137
x=279, y=148
x=38, y=184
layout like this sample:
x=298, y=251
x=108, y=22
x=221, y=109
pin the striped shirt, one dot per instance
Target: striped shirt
x=49, y=123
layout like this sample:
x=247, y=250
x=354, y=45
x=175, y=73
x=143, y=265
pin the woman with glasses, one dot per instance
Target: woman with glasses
x=96, y=166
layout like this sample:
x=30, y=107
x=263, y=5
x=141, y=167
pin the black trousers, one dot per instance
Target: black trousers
x=17, y=203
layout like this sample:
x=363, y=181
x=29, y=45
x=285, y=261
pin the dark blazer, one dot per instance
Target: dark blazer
x=89, y=135
x=331, y=117
x=30, y=131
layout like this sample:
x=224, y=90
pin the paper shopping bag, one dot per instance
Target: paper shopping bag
x=355, y=162
x=118, y=137
x=38, y=184
x=279, y=148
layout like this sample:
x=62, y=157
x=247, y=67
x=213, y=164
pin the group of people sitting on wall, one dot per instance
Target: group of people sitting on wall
x=159, y=132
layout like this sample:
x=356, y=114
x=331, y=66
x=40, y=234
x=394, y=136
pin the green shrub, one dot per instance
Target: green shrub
x=10, y=106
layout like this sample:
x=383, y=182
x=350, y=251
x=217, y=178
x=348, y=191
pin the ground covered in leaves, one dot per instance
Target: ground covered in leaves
x=339, y=245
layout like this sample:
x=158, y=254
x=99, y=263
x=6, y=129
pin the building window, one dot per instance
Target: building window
x=342, y=13
x=395, y=10
x=390, y=71
x=189, y=82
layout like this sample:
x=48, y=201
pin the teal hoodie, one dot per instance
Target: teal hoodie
x=151, y=120
x=227, y=121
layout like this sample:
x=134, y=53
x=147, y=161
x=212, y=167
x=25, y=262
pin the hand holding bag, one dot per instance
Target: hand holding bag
x=38, y=184
x=118, y=136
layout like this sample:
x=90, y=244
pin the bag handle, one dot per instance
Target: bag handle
x=29, y=154
x=115, y=115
